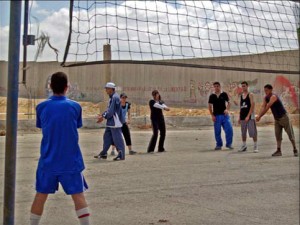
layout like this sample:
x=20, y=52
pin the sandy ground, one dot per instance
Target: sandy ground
x=189, y=184
x=26, y=109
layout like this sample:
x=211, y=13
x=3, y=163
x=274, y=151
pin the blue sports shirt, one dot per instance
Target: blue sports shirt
x=59, y=118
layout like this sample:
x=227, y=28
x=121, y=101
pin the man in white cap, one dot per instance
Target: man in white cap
x=114, y=122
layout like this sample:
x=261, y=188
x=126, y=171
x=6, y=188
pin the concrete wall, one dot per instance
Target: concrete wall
x=179, y=86
x=191, y=87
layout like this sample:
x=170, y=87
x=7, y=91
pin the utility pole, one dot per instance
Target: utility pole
x=107, y=74
x=27, y=40
x=107, y=66
x=25, y=35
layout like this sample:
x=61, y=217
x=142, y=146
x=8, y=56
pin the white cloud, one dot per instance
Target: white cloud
x=33, y=4
x=4, y=33
x=162, y=29
x=56, y=26
x=44, y=12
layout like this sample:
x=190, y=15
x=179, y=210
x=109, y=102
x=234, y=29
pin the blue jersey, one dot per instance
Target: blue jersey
x=59, y=118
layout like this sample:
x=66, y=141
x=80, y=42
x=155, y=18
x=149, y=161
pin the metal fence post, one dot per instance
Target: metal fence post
x=12, y=112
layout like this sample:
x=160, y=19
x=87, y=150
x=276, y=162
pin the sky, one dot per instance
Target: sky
x=198, y=19
x=42, y=10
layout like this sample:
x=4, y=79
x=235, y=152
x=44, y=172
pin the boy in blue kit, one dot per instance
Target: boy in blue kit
x=60, y=156
x=114, y=123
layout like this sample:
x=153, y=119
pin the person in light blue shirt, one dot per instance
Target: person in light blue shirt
x=114, y=123
x=60, y=156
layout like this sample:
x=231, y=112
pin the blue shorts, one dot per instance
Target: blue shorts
x=72, y=183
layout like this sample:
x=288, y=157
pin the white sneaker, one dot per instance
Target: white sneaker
x=243, y=148
x=255, y=150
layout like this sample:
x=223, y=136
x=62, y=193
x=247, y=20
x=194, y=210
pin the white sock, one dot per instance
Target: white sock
x=83, y=216
x=255, y=144
x=244, y=143
x=34, y=219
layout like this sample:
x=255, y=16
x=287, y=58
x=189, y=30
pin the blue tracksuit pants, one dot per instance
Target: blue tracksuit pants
x=223, y=121
x=113, y=136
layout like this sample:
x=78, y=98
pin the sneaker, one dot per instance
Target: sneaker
x=255, y=150
x=161, y=151
x=229, y=147
x=100, y=156
x=118, y=159
x=243, y=148
x=295, y=152
x=131, y=152
x=218, y=148
x=119, y=156
x=277, y=153
x=113, y=152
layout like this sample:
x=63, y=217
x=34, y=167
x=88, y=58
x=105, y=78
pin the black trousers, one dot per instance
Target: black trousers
x=157, y=125
x=126, y=134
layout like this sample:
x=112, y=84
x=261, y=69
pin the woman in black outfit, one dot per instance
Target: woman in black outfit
x=158, y=122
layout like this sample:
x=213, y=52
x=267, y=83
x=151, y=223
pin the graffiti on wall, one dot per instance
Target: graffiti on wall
x=72, y=93
x=234, y=88
x=201, y=93
x=3, y=90
x=48, y=90
x=287, y=91
x=192, y=93
x=151, y=88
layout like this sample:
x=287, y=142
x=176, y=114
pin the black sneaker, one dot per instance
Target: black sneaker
x=295, y=152
x=100, y=156
x=118, y=158
x=160, y=151
x=243, y=148
x=277, y=153
x=131, y=152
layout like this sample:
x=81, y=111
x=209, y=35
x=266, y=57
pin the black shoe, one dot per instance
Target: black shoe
x=150, y=152
x=100, y=156
x=277, y=153
x=295, y=152
x=118, y=158
x=131, y=152
x=160, y=151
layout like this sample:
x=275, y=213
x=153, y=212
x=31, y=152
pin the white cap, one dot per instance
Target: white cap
x=110, y=85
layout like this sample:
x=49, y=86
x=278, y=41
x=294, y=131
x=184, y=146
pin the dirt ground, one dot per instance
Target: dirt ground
x=190, y=184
